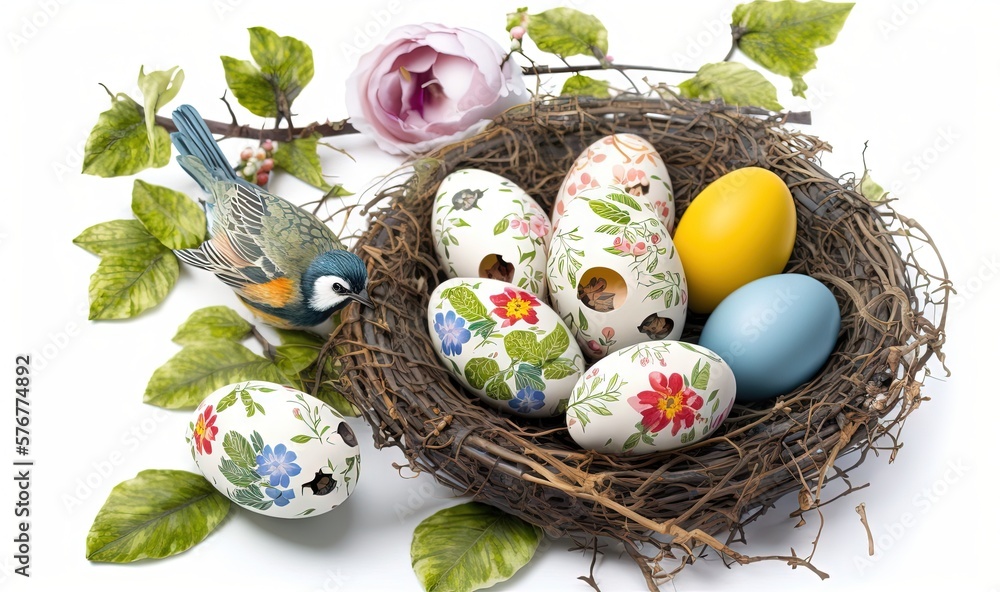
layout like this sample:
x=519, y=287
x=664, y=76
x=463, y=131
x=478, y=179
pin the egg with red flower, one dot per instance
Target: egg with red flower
x=274, y=450
x=651, y=397
x=504, y=344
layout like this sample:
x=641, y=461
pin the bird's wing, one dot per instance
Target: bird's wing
x=260, y=244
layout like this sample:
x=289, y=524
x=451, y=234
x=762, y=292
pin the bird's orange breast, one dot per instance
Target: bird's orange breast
x=276, y=293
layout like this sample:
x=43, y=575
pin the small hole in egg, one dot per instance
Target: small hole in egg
x=602, y=289
x=656, y=326
x=495, y=267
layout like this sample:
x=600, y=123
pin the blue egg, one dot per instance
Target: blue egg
x=775, y=333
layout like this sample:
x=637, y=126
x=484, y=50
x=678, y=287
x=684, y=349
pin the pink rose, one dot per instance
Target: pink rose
x=639, y=249
x=429, y=85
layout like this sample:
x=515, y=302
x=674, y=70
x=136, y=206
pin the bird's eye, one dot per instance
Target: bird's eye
x=339, y=289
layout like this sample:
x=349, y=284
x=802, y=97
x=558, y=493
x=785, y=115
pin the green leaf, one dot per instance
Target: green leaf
x=700, y=375
x=631, y=442
x=286, y=62
x=580, y=85
x=870, y=189
x=226, y=402
x=567, y=32
x=499, y=389
x=201, y=368
x=172, y=217
x=732, y=82
x=783, y=36
x=554, y=344
x=298, y=350
x=465, y=303
x=610, y=211
x=529, y=375
x=624, y=199
x=118, y=237
x=502, y=225
x=238, y=475
x=292, y=359
x=119, y=144
x=285, y=67
x=157, y=514
x=470, y=547
x=126, y=285
x=239, y=450
x=299, y=157
x=250, y=86
x=251, y=497
x=523, y=346
x=158, y=88
x=479, y=370
x=560, y=368
x=211, y=323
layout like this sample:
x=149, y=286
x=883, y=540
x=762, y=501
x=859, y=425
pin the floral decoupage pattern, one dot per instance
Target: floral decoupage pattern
x=614, y=275
x=628, y=163
x=486, y=226
x=275, y=450
x=504, y=344
x=653, y=396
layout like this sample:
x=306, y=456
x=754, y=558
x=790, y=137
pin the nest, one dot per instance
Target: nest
x=665, y=508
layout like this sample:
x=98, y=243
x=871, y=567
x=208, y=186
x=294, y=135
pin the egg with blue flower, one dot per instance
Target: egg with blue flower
x=505, y=345
x=274, y=450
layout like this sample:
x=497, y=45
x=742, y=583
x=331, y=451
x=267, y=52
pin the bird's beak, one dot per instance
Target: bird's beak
x=363, y=298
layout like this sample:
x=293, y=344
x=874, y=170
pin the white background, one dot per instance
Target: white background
x=907, y=76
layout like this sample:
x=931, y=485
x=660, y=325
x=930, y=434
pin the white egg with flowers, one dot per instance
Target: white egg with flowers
x=485, y=226
x=275, y=450
x=505, y=345
x=651, y=397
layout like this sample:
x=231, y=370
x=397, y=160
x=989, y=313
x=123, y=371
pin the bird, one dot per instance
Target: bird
x=283, y=262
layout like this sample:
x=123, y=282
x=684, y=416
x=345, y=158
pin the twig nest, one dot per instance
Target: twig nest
x=662, y=505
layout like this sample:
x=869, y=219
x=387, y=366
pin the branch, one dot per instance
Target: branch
x=538, y=70
x=232, y=130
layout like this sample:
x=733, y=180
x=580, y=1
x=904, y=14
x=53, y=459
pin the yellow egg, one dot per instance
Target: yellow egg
x=738, y=229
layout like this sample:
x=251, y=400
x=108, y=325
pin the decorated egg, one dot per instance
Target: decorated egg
x=614, y=275
x=651, y=397
x=504, y=344
x=275, y=450
x=775, y=332
x=625, y=161
x=739, y=228
x=486, y=226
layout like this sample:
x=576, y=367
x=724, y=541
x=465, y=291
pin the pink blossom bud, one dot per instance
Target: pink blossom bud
x=517, y=33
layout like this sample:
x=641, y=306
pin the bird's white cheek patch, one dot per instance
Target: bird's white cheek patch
x=323, y=296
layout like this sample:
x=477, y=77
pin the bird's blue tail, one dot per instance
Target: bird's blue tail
x=193, y=138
